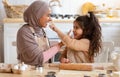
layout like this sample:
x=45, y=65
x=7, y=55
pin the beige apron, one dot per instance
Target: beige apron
x=43, y=42
x=77, y=56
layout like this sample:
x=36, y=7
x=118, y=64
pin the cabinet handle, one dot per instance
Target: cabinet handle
x=13, y=43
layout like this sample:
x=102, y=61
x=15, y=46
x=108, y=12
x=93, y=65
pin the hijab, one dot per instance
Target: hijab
x=34, y=12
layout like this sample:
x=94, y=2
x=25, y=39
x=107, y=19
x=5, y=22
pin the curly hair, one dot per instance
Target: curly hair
x=92, y=31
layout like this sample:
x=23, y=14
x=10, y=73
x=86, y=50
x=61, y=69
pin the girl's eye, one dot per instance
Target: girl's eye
x=75, y=27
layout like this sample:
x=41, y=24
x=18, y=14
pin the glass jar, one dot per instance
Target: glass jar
x=115, y=56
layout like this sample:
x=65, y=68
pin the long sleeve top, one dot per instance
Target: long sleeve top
x=30, y=51
x=76, y=50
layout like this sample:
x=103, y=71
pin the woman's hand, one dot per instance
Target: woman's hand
x=64, y=60
x=60, y=44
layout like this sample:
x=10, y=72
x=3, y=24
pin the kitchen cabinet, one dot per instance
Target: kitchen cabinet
x=53, y=37
x=63, y=26
x=111, y=31
x=10, y=32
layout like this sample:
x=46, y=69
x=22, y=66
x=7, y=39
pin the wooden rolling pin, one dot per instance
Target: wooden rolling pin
x=76, y=66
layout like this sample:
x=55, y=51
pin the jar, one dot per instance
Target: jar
x=115, y=55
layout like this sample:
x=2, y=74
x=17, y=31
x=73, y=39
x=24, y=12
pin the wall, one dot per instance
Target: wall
x=68, y=6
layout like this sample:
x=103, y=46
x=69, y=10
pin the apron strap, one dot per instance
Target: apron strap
x=33, y=31
x=36, y=38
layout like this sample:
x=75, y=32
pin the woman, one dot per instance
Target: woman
x=86, y=42
x=32, y=43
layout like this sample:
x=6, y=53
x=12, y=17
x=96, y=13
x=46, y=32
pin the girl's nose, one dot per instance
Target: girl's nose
x=73, y=30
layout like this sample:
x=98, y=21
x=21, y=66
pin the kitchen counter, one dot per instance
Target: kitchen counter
x=59, y=72
x=103, y=20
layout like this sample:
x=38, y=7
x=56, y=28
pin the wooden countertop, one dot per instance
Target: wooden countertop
x=103, y=20
x=59, y=72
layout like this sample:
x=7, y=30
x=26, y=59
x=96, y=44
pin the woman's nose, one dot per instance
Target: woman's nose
x=50, y=19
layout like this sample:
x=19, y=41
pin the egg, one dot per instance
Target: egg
x=15, y=67
x=22, y=68
x=41, y=69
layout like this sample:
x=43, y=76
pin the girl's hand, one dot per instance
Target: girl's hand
x=69, y=33
x=52, y=26
x=64, y=60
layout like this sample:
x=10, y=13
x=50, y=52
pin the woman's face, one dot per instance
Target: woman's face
x=45, y=19
x=77, y=31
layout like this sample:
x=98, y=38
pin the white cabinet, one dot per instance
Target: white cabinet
x=63, y=26
x=111, y=32
x=10, y=32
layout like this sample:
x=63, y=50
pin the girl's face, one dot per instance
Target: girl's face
x=45, y=19
x=77, y=31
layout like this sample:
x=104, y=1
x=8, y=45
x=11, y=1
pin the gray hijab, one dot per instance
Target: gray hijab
x=33, y=13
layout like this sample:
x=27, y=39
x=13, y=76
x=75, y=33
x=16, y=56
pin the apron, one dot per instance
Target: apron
x=78, y=56
x=43, y=42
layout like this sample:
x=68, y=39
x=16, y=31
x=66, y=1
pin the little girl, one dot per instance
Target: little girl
x=86, y=42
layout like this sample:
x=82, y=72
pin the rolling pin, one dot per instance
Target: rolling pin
x=76, y=66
